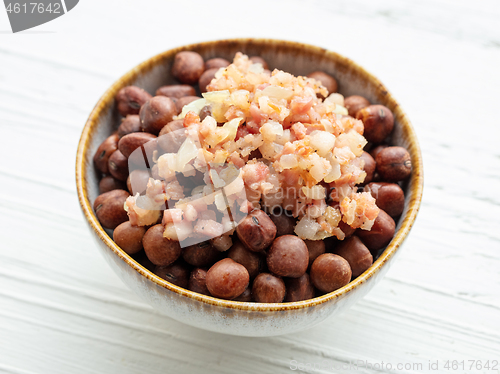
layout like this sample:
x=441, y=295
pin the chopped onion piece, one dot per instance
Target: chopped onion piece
x=256, y=68
x=307, y=228
x=320, y=167
x=187, y=152
x=339, y=109
x=334, y=173
x=322, y=141
x=270, y=130
x=316, y=192
x=321, y=234
x=335, y=98
x=194, y=106
x=237, y=185
x=277, y=92
x=216, y=180
x=241, y=99
x=191, y=213
x=216, y=97
x=220, y=201
x=289, y=161
x=349, y=210
x=178, y=231
x=332, y=216
x=229, y=173
x=327, y=125
x=232, y=127
x=270, y=150
x=164, y=169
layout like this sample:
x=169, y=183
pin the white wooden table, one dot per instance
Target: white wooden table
x=62, y=310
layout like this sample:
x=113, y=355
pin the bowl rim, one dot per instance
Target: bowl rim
x=91, y=126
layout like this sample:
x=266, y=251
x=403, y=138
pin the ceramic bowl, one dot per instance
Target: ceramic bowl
x=225, y=316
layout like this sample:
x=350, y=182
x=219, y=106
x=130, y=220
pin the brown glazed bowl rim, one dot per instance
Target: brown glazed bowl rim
x=405, y=226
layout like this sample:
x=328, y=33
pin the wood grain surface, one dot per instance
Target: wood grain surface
x=62, y=310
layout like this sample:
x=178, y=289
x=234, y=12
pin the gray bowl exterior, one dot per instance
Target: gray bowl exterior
x=232, y=321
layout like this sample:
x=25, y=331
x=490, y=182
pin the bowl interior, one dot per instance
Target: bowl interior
x=296, y=58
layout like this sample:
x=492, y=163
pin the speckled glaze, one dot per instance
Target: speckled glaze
x=231, y=317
